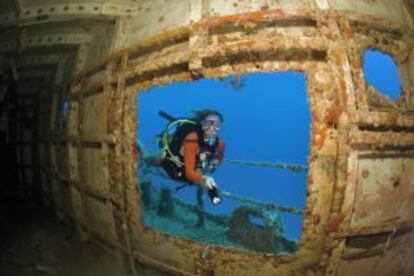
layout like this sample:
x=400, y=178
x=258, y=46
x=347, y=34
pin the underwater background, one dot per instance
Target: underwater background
x=266, y=120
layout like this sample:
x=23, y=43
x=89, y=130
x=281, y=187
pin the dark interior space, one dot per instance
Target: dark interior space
x=34, y=240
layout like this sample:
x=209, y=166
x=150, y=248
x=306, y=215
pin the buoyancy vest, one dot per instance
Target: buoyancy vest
x=172, y=140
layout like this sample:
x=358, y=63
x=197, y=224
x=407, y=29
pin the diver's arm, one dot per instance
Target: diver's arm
x=190, y=157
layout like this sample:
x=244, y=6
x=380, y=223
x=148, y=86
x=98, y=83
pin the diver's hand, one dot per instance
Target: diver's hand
x=208, y=182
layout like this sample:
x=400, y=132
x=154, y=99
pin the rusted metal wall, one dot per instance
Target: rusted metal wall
x=359, y=208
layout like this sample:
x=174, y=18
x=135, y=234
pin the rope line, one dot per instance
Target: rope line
x=267, y=206
x=284, y=166
x=245, y=200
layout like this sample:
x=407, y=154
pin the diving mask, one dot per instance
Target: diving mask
x=211, y=123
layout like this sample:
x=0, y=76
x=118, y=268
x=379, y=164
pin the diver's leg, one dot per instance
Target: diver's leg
x=153, y=159
x=141, y=149
x=150, y=159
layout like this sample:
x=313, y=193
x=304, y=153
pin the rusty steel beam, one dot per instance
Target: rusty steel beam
x=386, y=120
x=124, y=141
x=90, y=90
x=381, y=140
x=402, y=226
x=183, y=33
x=216, y=22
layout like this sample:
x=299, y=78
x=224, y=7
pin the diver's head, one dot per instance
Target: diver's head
x=211, y=123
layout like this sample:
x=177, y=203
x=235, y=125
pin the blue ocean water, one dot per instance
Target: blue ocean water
x=381, y=72
x=267, y=119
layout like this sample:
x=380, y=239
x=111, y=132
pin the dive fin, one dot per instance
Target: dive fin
x=166, y=116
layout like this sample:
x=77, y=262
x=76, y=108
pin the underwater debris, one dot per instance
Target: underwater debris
x=261, y=238
x=172, y=215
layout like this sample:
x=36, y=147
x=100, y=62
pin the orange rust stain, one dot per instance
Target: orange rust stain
x=388, y=199
x=342, y=90
x=332, y=116
x=338, y=58
x=348, y=33
x=310, y=180
x=315, y=117
x=356, y=64
x=342, y=85
x=318, y=139
x=254, y=16
x=334, y=223
x=134, y=150
x=235, y=18
x=199, y=27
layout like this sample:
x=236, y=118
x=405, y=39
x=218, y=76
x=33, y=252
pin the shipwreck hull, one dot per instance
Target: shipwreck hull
x=359, y=208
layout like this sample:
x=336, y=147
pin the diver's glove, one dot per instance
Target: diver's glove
x=211, y=186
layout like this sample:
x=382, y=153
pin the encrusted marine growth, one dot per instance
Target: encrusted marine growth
x=262, y=238
x=99, y=54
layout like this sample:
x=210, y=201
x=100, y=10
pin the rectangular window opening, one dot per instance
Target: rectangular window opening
x=264, y=125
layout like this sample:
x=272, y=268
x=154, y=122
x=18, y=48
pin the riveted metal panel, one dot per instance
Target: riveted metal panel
x=385, y=191
x=99, y=217
x=94, y=120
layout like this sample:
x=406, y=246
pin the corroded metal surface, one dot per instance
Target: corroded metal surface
x=359, y=208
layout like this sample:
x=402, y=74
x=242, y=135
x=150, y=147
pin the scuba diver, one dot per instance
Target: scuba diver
x=190, y=149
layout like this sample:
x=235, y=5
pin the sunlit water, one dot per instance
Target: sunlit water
x=266, y=119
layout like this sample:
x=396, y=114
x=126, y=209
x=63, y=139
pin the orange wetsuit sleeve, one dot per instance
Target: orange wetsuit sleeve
x=190, y=158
